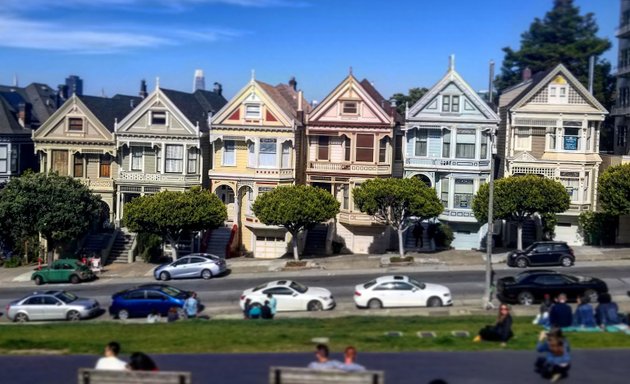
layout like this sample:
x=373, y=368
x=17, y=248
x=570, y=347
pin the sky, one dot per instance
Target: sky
x=397, y=45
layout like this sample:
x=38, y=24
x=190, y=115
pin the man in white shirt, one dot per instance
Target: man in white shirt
x=111, y=361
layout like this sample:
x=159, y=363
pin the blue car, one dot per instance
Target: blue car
x=144, y=299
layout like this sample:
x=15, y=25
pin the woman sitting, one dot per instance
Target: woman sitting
x=584, y=316
x=501, y=330
x=607, y=313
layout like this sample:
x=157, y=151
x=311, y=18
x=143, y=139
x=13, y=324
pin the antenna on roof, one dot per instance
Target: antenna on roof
x=157, y=82
x=253, y=74
x=15, y=80
x=350, y=71
x=103, y=92
x=451, y=62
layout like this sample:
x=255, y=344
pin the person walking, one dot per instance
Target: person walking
x=273, y=302
x=110, y=360
x=323, y=362
x=349, y=360
x=191, y=306
x=560, y=314
x=501, y=330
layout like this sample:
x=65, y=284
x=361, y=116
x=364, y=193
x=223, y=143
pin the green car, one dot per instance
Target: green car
x=63, y=271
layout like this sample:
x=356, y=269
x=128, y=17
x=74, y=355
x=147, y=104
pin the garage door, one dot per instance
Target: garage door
x=270, y=247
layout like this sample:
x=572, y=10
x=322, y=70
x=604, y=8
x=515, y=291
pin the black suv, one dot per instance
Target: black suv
x=542, y=253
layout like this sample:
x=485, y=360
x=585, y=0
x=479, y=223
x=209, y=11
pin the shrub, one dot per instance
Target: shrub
x=598, y=228
x=443, y=236
x=149, y=246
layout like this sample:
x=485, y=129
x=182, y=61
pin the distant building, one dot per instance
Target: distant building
x=200, y=82
x=74, y=85
x=621, y=109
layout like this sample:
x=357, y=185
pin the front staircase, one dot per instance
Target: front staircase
x=218, y=241
x=95, y=243
x=316, y=240
x=120, y=249
x=410, y=241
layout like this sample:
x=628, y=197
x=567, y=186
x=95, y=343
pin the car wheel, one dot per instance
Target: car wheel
x=521, y=262
x=592, y=295
x=525, y=298
x=375, y=304
x=206, y=274
x=39, y=280
x=123, y=314
x=164, y=276
x=21, y=318
x=74, y=316
x=314, y=305
x=566, y=261
x=74, y=279
x=434, y=302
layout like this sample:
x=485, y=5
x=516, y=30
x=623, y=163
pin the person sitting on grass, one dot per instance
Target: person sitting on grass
x=584, y=316
x=173, y=314
x=556, y=363
x=254, y=311
x=561, y=314
x=607, y=313
x=154, y=317
x=501, y=330
x=265, y=311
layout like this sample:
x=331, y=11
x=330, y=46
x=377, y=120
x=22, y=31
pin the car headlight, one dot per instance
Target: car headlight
x=325, y=298
x=447, y=294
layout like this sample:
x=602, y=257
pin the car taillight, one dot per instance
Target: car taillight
x=357, y=293
x=242, y=297
x=8, y=307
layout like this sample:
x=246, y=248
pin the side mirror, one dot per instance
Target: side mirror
x=58, y=304
x=295, y=294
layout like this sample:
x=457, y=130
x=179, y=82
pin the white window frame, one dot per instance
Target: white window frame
x=229, y=154
x=578, y=136
x=528, y=142
x=70, y=118
x=251, y=154
x=136, y=149
x=558, y=94
x=193, y=160
x=4, y=159
x=174, y=161
x=446, y=103
x=253, y=111
x=264, y=155
x=286, y=155
x=349, y=104
x=153, y=116
x=422, y=137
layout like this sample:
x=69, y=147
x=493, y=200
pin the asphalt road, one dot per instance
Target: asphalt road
x=220, y=295
x=514, y=367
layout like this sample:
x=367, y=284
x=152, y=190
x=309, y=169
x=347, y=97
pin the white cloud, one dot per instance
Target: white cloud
x=17, y=5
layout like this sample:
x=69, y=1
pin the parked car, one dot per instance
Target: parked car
x=144, y=299
x=52, y=305
x=63, y=271
x=290, y=296
x=542, y=253
x=531, y=286
x=400, y=291
x=202, y=265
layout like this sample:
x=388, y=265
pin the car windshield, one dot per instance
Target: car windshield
x=369, y=284
x=417, y=283
x=66, y=297
x=261, y=286
x=298, y=287
x=529, y=248
x=171, y=291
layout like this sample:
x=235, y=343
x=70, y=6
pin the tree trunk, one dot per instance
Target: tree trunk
x=401, y=245
x=294, y=240
x=519, y=235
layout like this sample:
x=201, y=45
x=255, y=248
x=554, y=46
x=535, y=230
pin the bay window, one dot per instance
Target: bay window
x=465, y=146
x=136, y=158
x=229, y=152
x=322, y=147
x=267, y=154
x=286, y=154
x=365, y=148
x=571, y=139
x=193, y=156
x=421, y=142
x=174, y=157
x=251, y=154
x=4, y=158
x=446, y=143
x=463, y=193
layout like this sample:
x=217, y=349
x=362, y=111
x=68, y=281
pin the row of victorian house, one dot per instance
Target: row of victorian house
x=266, y=136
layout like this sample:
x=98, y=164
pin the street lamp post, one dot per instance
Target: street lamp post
x=487, y=298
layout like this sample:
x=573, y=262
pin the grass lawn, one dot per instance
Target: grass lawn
x=282, y=335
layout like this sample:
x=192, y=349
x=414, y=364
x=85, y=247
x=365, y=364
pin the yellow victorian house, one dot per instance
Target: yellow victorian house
x=257, y=141
x=78, y=141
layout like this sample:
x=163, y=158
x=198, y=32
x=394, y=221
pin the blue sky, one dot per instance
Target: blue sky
x=113, y=44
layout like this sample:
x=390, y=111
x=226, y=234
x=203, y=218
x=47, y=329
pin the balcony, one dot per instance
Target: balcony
x=349, y=168
x=620, y=111
x=275, y=173
x=449, y=164
x=98, y=184
x=158, y=178
x=458, y=215
x=623, y=31
x=356, y=218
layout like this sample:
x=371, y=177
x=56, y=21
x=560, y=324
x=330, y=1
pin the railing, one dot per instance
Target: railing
x=287, y=172
x=158, y=177
x=355, y=218
x=448, y=163
x=97, y=183
x=349, y=167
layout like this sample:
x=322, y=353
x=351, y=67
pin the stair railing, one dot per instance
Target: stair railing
x=110, y=244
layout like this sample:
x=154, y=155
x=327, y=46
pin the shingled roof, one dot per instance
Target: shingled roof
x=285, y=97
x=9, y=124
x=107, y=110
x=195, y=106
x=383, y=102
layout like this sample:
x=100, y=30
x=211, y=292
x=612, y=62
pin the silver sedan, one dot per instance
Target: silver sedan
x=202, y=265
x=52, y=305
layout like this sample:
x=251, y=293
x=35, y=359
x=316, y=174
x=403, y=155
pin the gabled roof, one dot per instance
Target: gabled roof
x=107, y=110
x=383, y=102
x=41, y=97
x=285, y=97
x=190, y=106
x=9, y=124
x=210, y=101
x=538, y=81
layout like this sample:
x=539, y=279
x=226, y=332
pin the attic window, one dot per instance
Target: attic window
x=158, y=118
x=252, y=111
x=350, y=108
x=75, y=124
x=455, y=105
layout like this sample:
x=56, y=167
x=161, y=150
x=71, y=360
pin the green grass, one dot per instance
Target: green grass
x=281, y=335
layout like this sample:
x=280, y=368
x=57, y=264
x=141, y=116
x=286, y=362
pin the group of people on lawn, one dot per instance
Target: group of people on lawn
x=256, y=311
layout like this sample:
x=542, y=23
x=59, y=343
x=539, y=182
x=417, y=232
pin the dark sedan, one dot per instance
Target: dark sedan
x=542, y=253
x=143, y=300
x=531, y=286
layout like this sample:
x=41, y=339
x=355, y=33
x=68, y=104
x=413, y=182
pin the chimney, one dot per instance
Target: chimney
x=24, y=114
x=300, y=107
x=143, y=88
x=293, y=83
x=218, y=89
x=491, y=83
x=591, y=73
x=527, y=74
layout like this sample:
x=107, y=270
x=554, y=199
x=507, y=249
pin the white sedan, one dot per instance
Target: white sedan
x=400, y=291
x=290, y=296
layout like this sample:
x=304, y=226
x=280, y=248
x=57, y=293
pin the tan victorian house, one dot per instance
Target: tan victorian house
x=352, y=136
x=78, y=141
x=257, y=141
x=550, y=127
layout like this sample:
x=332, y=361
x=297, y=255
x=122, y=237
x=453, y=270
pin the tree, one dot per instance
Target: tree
x=296, y=208
x=517, y=198
x=395, y=201
x=59, y=208
x=614, y=190
x=172, y=215
x=412, y=97
x=562, y=36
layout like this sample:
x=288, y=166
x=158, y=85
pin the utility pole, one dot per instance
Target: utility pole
x=487, y=298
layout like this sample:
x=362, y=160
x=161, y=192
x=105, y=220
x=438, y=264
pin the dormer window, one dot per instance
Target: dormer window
x=252, y=111
x=455, y=105
x=158, y=118
x=446, y=103
x=558, y=91
x=350, y=108
x=75, y=124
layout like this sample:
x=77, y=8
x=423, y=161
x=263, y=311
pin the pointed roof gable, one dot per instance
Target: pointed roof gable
x=452, y=77
x=540, y=80
x=284, y=96
x=210, y=101
x=375, y=101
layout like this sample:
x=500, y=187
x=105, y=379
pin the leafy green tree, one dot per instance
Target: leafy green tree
x=296, y=208
x=395, y=201
x=412, y=97
x=614, y=190
x=517, y=198
x=562, y=36
x=173, y=215
x=59, y=208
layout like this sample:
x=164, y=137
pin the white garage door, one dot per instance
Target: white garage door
x=270, y=247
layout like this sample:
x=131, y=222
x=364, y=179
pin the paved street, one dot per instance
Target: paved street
x=514, y=367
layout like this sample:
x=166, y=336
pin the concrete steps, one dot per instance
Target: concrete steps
x=121, y=248
x=218, y=241
x=316, y=240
